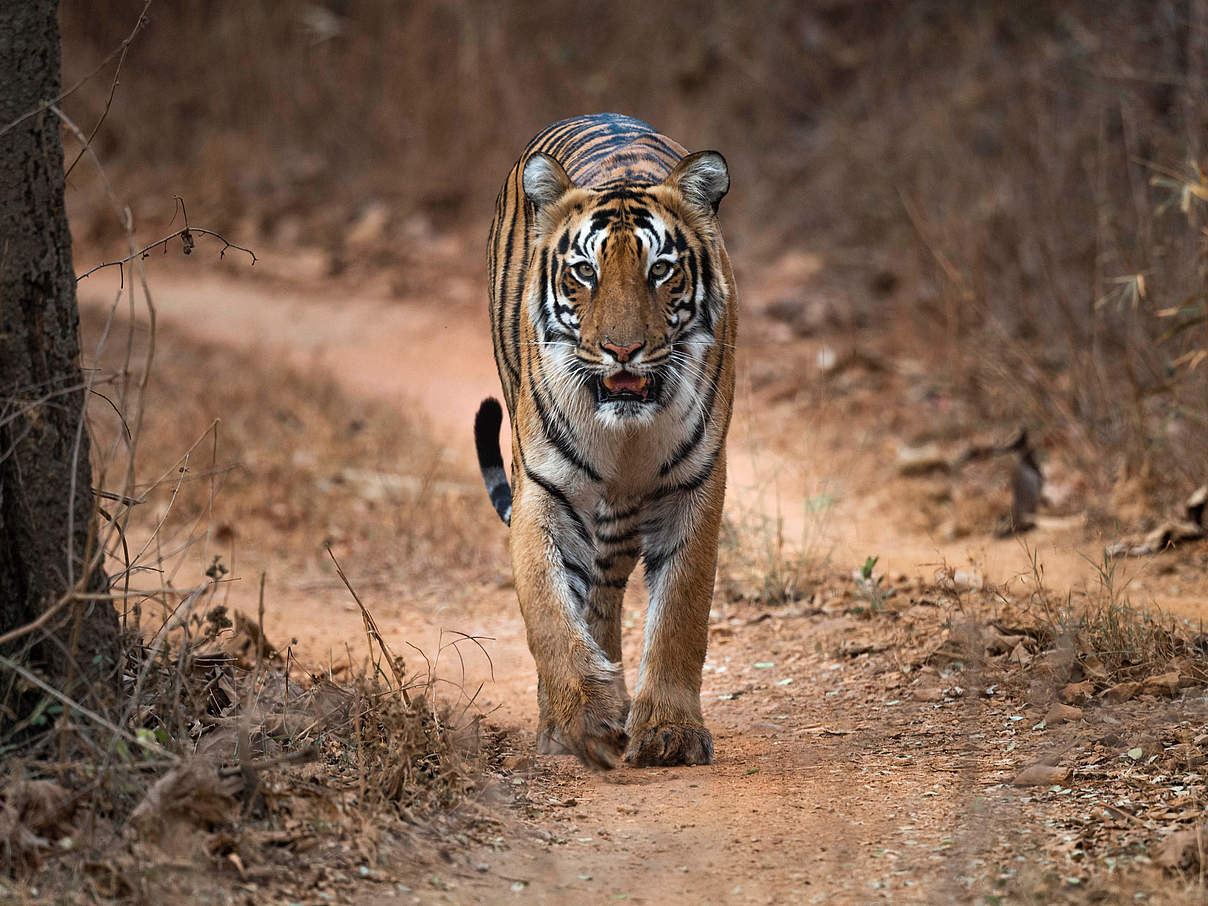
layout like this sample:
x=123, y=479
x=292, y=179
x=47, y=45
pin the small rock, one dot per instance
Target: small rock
x=1162, y=684
x=1041, y=775
x=967, y=580
x=1059, y=714
x=1078, y=693
x=1121, y=692
x=997, y=643
x=369, y=227
x=928, y=694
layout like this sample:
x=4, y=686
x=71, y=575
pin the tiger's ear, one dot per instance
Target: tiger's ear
x=702, y=178
x=544, y=180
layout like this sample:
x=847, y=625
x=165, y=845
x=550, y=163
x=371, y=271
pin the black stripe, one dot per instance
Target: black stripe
x=654, y=562
x=618, y=517
x=661, y=145
x=560, y=433
x=685, y=449
x=692, y=483
x=606, y=563
x=546, y=285
x=617, y=539
x=620, y=193
x=586, y=579
x=552, y=490
x=510, y=297
x=706, y=275
x=614, y=583
x=556, y=435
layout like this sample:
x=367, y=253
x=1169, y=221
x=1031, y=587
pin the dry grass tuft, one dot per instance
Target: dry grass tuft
x=229, y=762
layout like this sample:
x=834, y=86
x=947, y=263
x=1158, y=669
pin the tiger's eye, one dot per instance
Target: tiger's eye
x=660, y=269
x=585, y=271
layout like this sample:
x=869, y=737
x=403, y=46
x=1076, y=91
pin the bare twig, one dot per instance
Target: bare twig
x=124, y=48
x=46, y=105
x=185, y=234
x=76, y=706
x=371, y=629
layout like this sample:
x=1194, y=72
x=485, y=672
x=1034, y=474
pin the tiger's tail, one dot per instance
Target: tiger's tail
x=486, y=441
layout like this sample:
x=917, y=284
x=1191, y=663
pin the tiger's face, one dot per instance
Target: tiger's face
x=626, y=290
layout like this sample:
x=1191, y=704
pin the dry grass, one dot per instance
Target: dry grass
x=230, y=758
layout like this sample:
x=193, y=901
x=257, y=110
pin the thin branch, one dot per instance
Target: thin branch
x=87, y=712
x=125, y=47
x=46, y=105
x=185, y=235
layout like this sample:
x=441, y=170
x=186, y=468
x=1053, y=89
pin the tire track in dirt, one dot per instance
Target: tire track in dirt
x=815, y=797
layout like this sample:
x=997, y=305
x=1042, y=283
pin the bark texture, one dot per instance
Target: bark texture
x=46, y=505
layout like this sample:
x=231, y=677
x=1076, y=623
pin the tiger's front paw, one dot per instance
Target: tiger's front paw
x=597, y=736
x=667, y=744
x=550, y=742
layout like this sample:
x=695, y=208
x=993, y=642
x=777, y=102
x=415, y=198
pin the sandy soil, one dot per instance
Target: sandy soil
x=829, y=786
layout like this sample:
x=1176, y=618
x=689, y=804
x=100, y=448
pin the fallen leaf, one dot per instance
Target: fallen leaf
x=1077, y=693
x=1162, y=684
x=1041, y=775
x=1019, y=655
x=1122, y=692
x=1060, y=713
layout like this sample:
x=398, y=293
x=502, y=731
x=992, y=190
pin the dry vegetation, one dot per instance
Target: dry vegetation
x=225, y=758
x=307, y=466
x=1019, y=189
x=1082, y=722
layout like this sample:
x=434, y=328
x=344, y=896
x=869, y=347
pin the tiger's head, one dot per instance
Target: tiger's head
x=626, y=290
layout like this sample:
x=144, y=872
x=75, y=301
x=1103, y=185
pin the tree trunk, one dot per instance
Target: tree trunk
x=47, y=536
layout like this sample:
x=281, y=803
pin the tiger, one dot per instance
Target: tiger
x=613, y=315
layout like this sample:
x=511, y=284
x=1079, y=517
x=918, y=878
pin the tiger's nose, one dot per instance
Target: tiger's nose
x=622, y=353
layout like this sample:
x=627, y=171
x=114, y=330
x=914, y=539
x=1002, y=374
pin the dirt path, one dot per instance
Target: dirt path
x=831, y=784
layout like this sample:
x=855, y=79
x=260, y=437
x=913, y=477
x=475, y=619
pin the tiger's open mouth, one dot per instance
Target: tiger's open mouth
x=625, y=386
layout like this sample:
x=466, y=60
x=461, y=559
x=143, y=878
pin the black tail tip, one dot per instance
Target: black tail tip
x=486, y=432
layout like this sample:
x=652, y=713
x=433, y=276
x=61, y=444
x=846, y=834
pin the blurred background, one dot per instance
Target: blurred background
x=1012, y=190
